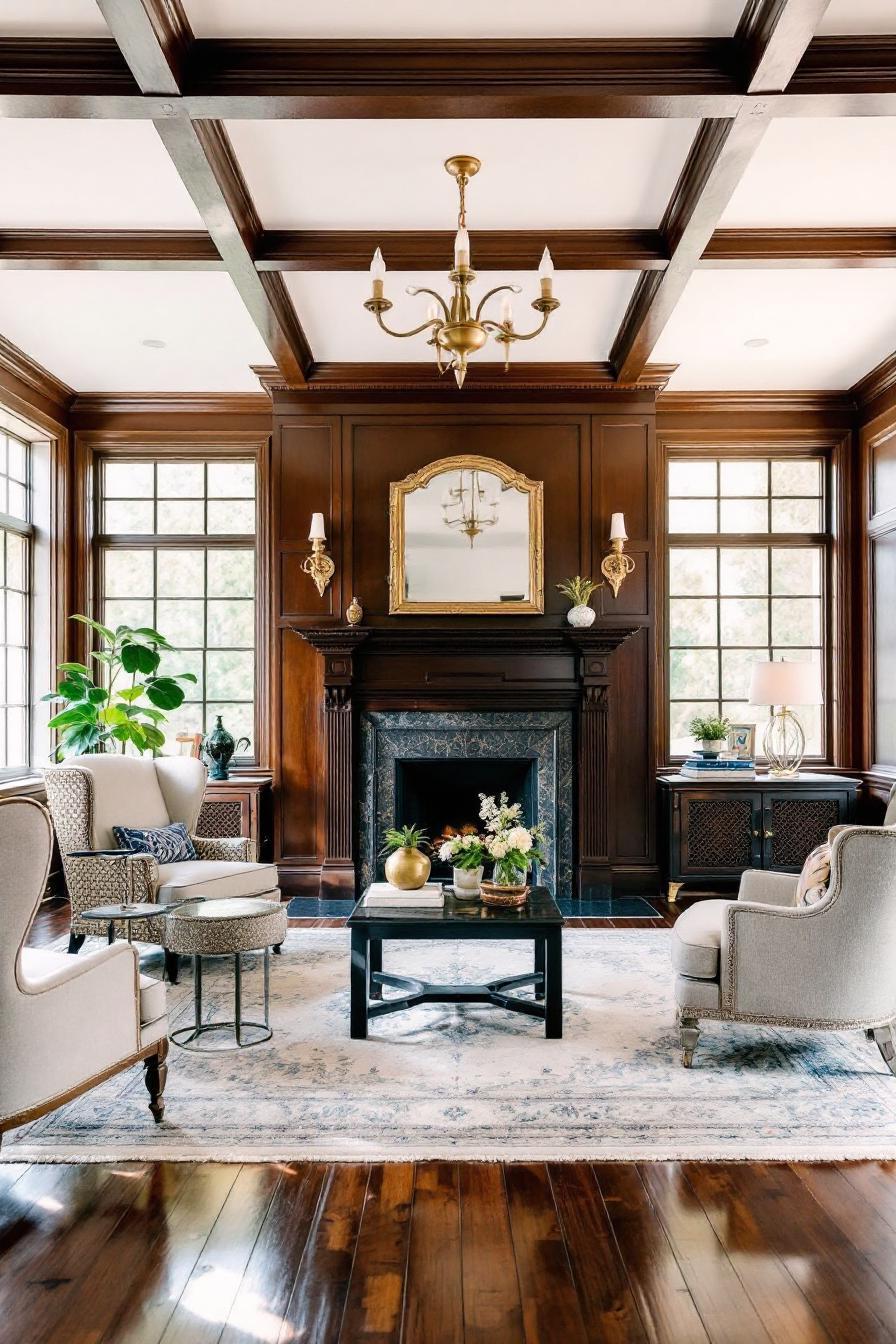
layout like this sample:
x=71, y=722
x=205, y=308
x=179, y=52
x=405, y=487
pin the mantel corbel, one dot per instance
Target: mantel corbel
x=594, y=647
x=337, y=645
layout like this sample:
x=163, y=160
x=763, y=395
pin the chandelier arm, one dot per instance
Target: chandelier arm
x=414, y=291
x=432, y=322
x=491, y=325
x=499, y=289
x=530, y=335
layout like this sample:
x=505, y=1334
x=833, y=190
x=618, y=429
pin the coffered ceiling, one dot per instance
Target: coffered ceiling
x=706, y=172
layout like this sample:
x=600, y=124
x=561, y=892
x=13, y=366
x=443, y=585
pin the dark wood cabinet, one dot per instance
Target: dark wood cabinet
x=240, y=805
x=712, y=831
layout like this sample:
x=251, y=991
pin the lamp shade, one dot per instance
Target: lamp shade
x=617, y=528
x=786, y=684
x=317, y=531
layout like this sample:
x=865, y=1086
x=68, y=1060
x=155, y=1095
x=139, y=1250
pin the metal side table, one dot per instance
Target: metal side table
x=216, y=928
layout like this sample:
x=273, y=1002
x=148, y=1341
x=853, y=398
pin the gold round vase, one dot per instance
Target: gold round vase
x=407, y=869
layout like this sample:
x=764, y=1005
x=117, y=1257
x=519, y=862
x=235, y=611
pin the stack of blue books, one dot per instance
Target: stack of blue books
x=711, y=767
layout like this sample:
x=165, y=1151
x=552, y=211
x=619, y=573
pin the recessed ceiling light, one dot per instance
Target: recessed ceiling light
x=756, y=342
x=154, y=345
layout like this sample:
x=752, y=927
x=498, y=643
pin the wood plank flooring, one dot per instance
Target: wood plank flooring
x=446, y=1253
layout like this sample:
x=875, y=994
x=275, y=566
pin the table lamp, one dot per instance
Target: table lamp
x=785, y=684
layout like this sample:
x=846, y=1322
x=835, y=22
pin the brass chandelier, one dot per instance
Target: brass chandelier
x=468, y=508
x=454, y=330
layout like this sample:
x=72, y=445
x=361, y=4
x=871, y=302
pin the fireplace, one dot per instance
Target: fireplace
x=443, y=796
x=430, y=767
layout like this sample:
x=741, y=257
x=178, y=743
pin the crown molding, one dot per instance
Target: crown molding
x=743, y=402
x=34, y=378
x=486, y=377
x=880, y=382
x=167, y=403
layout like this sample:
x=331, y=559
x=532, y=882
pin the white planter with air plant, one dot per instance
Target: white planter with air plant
x=579, y=591
x=711, y=734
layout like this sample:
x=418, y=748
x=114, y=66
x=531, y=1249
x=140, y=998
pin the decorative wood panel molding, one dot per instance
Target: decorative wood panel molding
x=223, y=404
x=745, y=402
x=872, y=392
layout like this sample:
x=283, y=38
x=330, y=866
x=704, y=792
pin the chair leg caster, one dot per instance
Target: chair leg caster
x=172, y=966
x=883, y=1037
x=155, y=1076
x=277, y=949
x=76, y=942
x=689, y=1033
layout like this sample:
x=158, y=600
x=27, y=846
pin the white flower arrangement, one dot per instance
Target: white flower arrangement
x=464, y=851
x=513, y=846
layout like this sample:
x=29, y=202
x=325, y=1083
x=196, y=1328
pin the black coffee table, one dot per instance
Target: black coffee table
x=538, y=921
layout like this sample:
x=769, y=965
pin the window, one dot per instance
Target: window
x=747, y=564
x=15, y=602
x=177, y=552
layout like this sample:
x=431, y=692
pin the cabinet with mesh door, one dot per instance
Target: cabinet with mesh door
x=712, y=831
x=240, y=805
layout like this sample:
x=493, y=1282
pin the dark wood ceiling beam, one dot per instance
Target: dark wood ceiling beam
x=78, y=77
x=771, y=39
x=351, y=250
x=108, y=250
x=155, y=40
x=747, y=249
x=203, y=156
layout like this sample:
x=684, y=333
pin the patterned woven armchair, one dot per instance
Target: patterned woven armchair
x=88, y=795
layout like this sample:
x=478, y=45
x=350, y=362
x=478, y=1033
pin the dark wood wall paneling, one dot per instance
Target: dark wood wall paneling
x=595, y=456
x=876, y=564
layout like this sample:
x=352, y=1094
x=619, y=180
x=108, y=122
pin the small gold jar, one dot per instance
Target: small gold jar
x=408, y=869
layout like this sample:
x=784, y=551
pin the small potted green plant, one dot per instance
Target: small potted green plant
x=579, y=591
x=711, y=734
x=467, y=855
x=407, y=867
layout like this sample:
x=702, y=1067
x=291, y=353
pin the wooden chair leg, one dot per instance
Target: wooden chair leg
x=76, y=942
x=689, y=1031
x=155, y=1075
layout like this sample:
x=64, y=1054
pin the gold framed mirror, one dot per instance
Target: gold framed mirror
x=466, y=538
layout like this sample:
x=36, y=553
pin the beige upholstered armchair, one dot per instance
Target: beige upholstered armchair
x=763, y=958
x=65, y=1025
x=88, y=795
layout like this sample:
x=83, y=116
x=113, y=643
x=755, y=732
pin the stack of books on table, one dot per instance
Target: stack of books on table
x=430, y=895
x=712, y=767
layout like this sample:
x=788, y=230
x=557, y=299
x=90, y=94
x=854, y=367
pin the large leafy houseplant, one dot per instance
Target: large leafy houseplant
x=128, y=702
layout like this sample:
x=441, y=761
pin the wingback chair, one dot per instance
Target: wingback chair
x=65, y=1024
x=763, y=958
x=88, y=795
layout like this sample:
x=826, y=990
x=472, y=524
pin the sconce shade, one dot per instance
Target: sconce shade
x=786, y=684
x=318, y=532
x=617, y=528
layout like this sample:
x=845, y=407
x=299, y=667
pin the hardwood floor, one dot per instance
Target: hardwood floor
x=445, y=1253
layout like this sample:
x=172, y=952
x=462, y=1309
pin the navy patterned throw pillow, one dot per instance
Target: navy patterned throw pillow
x=169, y=844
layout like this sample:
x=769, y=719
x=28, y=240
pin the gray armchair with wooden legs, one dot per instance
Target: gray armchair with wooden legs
x=66, y=1023
x=830, y=966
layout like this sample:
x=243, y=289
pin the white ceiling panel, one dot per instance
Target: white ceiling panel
x=89, y=174
x=88, y=328
x=390, y=174
x=339, y=328
x=465, y=18
x=51, y=18
x=859, y=16
x=819, y=172
x=825, y=329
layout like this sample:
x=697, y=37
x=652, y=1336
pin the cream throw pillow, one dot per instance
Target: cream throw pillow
x=812, y=886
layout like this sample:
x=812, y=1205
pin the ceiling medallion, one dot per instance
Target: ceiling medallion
x=454, y=331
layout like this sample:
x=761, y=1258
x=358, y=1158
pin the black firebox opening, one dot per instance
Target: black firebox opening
x=436, y=794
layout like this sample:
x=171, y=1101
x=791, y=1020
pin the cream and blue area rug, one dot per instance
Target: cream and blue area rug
x=474, y=1082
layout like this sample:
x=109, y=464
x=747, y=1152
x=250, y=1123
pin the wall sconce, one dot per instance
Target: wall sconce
x=318, y=564
x=617, y=566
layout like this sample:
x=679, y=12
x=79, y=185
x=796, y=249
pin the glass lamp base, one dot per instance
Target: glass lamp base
x=784, y=744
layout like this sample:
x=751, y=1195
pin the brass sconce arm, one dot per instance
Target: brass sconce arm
x=616, y=566
x=319, y=566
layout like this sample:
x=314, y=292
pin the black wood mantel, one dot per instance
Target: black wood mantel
x=520, y=667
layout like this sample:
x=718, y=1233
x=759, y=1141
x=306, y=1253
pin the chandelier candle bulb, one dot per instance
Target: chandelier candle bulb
x=461, y=249
x=546, y=274
x=507, y=310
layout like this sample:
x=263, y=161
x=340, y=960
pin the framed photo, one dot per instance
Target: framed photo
x=742, y=739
